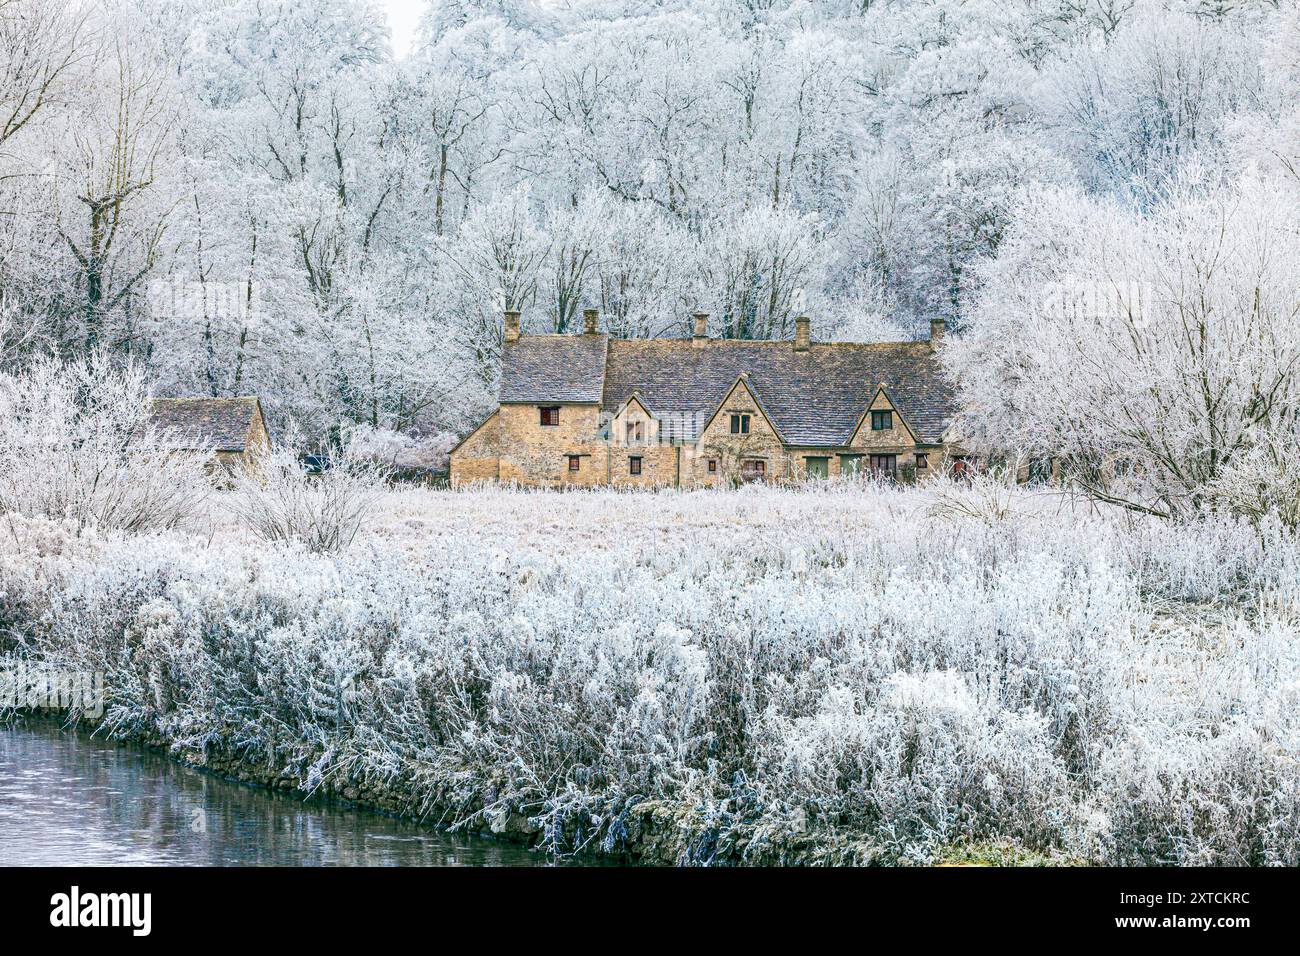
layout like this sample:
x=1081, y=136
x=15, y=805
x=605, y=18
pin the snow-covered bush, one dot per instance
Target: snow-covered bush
x=401, y=450
x=76, y=445
x=280, y=502
x=825, y=669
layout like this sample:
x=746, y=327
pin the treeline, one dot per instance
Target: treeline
x=257, y=197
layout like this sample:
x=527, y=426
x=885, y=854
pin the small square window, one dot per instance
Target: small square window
x=713, y=466
x=574, y=462
x=550, y=414
x=882, y=421
x=922, y=461
x=634, y=465
x=740, y=424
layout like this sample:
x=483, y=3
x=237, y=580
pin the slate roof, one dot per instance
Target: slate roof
x=814, y=398
x=553, y=368
x=207, y=424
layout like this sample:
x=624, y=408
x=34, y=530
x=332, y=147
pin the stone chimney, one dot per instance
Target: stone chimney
x=937, y=327
x=591, y=321
x=802, y=333
x=512, y=326
x=701, y=336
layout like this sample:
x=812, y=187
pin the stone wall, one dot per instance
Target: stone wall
x=477, y=458
x=537, y=454
x=717, y=443
x=513, y=446
x=634, y=433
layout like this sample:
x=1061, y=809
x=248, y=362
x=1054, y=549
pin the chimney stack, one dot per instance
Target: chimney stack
x=701, y=336
x=802, y=333
x=591, y=321
x=512, y=326
x=937, y=326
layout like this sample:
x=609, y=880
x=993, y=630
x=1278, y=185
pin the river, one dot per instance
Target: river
x=69, y=799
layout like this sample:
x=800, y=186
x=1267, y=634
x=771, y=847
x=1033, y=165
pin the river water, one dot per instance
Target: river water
x=69, y=799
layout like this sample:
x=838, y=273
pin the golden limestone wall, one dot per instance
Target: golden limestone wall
x=888, y=440
x=732, y=451
x=536, y=454
x=258, y=442
x=513, y=445
x=634, y=434
x=478, y=458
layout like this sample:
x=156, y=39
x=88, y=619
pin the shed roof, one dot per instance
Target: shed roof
x=207, y=424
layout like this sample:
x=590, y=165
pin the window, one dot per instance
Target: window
x=885, y=466
x=818, y=467
x=850, y=465
x=550, y=414
x=713, y=466
x=634, y=465
x=753, y=469
x=635, y=432
x=882, y=421
x=922, y=460
x=740, y=424
x=574, y=462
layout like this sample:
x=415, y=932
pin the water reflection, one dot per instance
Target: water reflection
x=70, y=799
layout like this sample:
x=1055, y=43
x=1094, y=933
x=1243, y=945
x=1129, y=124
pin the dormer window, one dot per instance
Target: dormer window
x=550, y=414
x=739, y=424
x=882, y=421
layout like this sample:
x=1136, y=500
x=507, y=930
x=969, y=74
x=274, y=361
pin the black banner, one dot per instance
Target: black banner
x=974, y=904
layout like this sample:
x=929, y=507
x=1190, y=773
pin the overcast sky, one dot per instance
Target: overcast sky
x=403, y=17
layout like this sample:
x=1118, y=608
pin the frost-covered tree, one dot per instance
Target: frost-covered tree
x=252, y=196
x=1157, y=351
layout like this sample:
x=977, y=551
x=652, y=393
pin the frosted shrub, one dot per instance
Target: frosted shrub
x=401, y=450
x=279, y=502
x=772, y=675
x=76, y=446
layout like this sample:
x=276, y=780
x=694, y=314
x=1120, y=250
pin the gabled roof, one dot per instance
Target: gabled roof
x=898, y=412
x=813, y=398
x=202, y=424
x=553, y=368
x=741, y=380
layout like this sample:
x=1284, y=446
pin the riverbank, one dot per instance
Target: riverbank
x=70, y=799
x=657, y=834
x=855, y=676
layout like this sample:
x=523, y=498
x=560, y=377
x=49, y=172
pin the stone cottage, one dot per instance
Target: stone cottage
x=592, y=410
x=232, y=429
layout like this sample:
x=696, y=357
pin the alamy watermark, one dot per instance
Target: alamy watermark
x=1075, y=297
x=74, y=908
x=634, y=430
x=36, y=687
x=178, y=298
